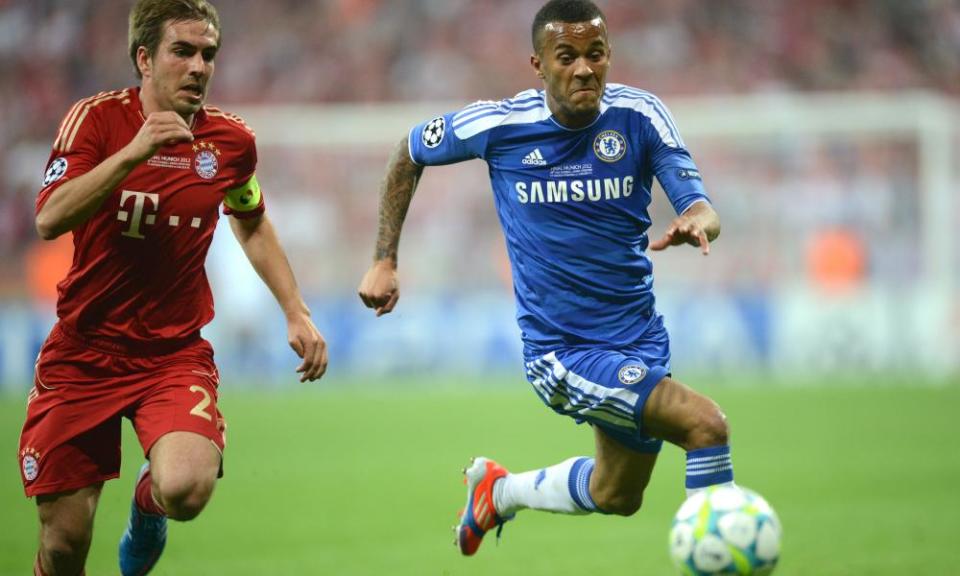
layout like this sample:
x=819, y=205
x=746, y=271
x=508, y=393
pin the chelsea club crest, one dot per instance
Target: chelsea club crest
x=632, y=373
x=609, y=146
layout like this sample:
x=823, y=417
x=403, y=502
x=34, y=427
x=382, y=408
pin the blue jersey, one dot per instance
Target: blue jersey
x=573, y=206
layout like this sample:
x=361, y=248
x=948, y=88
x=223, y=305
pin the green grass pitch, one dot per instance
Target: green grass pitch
x=345, y=478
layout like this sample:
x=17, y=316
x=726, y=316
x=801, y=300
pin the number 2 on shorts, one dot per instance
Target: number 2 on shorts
x=199, y=409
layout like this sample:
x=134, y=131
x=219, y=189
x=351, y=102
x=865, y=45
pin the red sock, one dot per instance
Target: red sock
x=143, y=495
x=37, y=569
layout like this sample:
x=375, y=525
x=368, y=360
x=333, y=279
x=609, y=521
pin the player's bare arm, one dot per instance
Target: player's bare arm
x=699, y=225
x=258, y=238
x=380, y=288
x=74, y=202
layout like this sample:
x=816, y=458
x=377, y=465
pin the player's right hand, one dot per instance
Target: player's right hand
x=380, y=288
x=160, y=129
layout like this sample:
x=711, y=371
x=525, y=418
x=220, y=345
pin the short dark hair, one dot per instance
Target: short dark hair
x=148, y=18
x=562, y=11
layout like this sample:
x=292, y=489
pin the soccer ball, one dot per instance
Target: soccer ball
x=725, y=530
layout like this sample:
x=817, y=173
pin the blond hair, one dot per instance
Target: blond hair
x=149, y=17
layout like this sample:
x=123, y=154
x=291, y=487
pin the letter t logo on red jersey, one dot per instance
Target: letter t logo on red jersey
x=139, y=201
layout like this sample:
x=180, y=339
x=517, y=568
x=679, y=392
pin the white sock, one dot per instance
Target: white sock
x=692, y=491
x=563, y=488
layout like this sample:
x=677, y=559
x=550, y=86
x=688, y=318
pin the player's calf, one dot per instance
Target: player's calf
x=63, y=552
x=708, y=450
x=710, y=427
x=66, y=529
x=614, y=500
x=684, y=417
x=694, y=422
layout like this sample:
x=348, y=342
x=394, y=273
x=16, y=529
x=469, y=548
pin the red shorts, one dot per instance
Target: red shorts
x=82, y=390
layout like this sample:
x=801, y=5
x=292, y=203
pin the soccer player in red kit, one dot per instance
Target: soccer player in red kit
x=139, y=176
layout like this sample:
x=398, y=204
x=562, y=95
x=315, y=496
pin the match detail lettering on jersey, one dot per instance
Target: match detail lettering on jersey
x=244, y=198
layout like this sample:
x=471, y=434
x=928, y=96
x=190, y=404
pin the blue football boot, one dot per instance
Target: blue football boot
x=144, y=539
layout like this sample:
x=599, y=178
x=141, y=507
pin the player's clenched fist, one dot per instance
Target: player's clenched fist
x=380, y=288
x=160, y=129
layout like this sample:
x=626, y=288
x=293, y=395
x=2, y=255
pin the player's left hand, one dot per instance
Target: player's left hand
x=309, y=344
x=380, y=287
x=696, y=227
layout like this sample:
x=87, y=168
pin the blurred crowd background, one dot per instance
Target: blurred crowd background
x=808, y=219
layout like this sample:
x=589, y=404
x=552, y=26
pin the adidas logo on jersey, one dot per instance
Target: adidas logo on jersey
x=534, y=158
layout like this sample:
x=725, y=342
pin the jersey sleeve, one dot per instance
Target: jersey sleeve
x=77, y=149
x=442, y=141
x=244, y=199
x=671, y=162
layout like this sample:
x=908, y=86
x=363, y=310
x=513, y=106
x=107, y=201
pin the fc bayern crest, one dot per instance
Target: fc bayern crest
x=55, y=172
x=433, y=132
x=30, y=465
x=610, y=146
x=205, y=163
x=632, y=373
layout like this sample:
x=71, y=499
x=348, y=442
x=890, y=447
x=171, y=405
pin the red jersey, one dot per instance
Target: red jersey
x=138, y=266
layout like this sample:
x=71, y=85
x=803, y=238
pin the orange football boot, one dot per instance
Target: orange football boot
x=479, y=516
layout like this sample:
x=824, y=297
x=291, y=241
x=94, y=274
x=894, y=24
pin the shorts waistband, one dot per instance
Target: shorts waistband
x=127, y=347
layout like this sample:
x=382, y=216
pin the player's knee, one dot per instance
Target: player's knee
x=184, y=498
x=619, y=503
x=711, y=428
x=65, y=545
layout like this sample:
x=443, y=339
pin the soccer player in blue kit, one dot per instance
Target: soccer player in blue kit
x=572, y=168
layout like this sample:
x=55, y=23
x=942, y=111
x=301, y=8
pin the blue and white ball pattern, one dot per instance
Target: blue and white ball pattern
x=725, y=530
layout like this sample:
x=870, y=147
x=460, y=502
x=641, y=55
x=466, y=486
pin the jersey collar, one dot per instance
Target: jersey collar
x=549, y=113
x=198, y=119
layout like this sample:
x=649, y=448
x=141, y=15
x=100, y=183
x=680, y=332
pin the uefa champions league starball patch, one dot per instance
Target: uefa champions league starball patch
x=631, y=374
x=433, y=132
x=55, y=171
x=30, y=464
x=609, y=146
x=205, y=163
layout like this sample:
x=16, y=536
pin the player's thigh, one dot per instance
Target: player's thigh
x=71, y=436
x=66, y=518
x=178, y=406
x=605, y=387
x=675, y=412
x=183, y=461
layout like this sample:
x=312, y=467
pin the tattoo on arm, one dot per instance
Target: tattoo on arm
x=396, y=192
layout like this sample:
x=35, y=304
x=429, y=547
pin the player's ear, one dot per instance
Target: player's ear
x=537, y=65
x=144, y=64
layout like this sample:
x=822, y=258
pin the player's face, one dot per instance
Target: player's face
x=573, y=63
x=178, y=76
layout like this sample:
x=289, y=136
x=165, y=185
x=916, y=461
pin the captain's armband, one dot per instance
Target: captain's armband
x=245, y=197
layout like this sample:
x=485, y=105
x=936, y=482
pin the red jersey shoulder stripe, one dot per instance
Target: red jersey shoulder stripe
x=215, y=112
x=71, y=125
x=71, y=117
